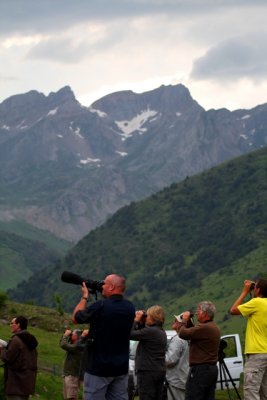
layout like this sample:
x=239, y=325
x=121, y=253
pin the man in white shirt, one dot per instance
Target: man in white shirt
x=177, y=363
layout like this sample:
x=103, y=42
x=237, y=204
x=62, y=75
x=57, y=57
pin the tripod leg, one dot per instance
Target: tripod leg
x=226, y=382
x=226, y=371
x=220, y=375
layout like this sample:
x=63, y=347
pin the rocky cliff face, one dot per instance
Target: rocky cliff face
x=66, y=168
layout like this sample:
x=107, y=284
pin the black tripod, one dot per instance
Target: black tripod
x=224, y=374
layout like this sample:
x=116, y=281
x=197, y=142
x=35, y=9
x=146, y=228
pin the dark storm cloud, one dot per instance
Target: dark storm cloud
x=55, y=15
x=244, y=57
x=31, y=16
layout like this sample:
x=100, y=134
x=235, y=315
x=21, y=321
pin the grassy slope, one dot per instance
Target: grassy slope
x=30, y=232
x=23, y=250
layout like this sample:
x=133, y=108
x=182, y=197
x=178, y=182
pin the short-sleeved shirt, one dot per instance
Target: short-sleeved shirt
x=256, y=333
x=110, y=325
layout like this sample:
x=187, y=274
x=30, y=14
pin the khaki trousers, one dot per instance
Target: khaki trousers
x=255, y=377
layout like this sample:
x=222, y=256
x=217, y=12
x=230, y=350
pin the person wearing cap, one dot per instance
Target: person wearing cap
x=177, y=363
x=203, y=352
x=73, y=342
x=150, y=353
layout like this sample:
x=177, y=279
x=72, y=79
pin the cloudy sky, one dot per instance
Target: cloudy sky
x=216, y=48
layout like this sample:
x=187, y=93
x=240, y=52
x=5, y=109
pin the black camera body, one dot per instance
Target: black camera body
x=93, y=286
x=144, y=316
x=222, y=347
x=189, y=323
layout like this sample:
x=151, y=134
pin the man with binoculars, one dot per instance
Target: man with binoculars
x=204, y=344
x=255, y=310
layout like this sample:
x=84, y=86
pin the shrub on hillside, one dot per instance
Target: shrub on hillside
x=3, y=299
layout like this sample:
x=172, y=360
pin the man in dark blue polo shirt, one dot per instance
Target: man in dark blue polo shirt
x=111, y=319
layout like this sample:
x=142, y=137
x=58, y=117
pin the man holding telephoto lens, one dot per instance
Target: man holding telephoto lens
x=111, y=319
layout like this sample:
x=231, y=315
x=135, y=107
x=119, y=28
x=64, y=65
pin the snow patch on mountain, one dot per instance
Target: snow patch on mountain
x=136, y=123
x=22, y=125
x=100, y=113
x=76, y=131
x=122, y=153
x=52, y=112
x=5, y=127
x=89, y=160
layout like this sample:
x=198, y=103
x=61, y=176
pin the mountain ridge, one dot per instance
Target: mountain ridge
x=66, y=168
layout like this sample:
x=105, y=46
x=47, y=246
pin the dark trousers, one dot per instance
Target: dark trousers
x=201, y=382
x=150, y=384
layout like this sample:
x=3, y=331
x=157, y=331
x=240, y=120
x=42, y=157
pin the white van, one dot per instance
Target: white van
x=230, y=365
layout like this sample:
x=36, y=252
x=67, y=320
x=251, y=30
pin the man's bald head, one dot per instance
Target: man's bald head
x=113, y=284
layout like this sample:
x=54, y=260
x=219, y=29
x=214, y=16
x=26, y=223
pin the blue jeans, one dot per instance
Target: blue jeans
x=102, y=387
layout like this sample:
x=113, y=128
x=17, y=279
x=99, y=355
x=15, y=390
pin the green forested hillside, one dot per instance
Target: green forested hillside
x=24, y=250
x=197, y=239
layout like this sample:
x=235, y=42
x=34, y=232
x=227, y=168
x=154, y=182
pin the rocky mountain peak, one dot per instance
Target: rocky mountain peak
x=65, y=167
x=62, y=96
x=167, y=99
x=22, y=103
x=25, y=109
x=174, y=96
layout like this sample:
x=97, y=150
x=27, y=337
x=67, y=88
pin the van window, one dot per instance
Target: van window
x=230, y=350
